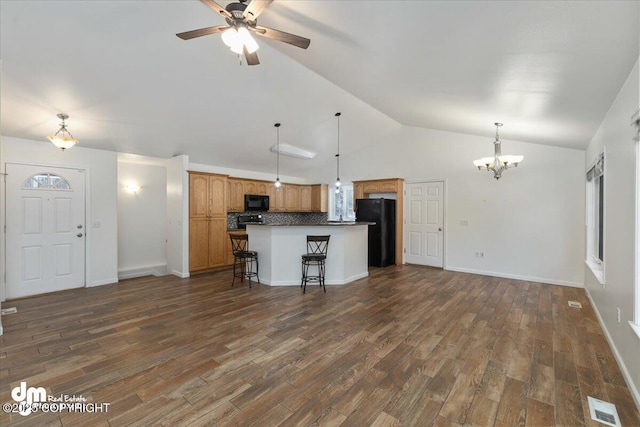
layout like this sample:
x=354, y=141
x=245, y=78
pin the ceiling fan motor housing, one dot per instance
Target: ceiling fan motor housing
x=237, y=10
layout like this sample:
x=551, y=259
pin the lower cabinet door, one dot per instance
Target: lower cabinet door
x=218, y=242
x=198, y=244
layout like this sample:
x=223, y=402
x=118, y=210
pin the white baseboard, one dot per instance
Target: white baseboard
x=103, y=282
x=625, y=372
x=180, y=274
x=151, y=270
x=517, y=277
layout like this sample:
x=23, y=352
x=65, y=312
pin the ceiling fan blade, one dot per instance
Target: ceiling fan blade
x=252, y=58
x=291, y=39
x=188, y=35
x=211, y=4
x=255, y=8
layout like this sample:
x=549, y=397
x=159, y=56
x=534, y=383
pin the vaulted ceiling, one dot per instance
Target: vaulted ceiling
x=549, y=70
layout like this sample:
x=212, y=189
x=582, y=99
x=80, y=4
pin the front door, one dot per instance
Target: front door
x=425, y=223
x=45, y=229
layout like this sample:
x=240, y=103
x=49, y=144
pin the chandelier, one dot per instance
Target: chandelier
x=499, y=162
x=63, y=138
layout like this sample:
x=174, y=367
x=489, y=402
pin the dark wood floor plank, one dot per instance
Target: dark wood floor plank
x=408, y=346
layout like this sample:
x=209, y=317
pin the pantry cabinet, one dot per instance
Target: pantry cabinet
x=207, y=220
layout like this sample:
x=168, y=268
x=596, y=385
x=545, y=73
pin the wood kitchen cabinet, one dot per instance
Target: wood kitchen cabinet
x=305, y=198
x=319, y=197
x=207, y=220
x=292, y=197
x=276, y=198
x=358, y=190
x=235, y=202
x=362, y=189
x=262, y=188
x=250, y=187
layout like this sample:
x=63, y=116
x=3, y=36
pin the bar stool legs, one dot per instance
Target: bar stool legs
x=243, y=259
x=316, y=256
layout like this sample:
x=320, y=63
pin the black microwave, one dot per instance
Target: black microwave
x=253, y=202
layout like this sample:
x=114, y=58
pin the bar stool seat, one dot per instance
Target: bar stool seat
x=316, y=256
x=243, y=259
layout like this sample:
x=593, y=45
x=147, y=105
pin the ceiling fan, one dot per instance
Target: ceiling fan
x=241, y=20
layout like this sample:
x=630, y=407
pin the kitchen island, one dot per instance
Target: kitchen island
x=280, y=247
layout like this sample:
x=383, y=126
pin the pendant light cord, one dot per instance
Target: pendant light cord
x=338, y=155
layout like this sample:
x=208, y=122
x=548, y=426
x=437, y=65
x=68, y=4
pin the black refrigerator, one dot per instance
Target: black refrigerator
x=382, y=235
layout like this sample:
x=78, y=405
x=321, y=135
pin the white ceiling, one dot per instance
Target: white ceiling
x=548, y=69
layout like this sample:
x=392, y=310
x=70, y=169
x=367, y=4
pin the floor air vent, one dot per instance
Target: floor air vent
x=575, y=304
x=10, y=310
x=603, y=412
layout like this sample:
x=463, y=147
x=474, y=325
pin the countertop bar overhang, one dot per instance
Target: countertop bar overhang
x=280, y=248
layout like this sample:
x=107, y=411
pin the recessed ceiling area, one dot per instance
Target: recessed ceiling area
x=549, y=70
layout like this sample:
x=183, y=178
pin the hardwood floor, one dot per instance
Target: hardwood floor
x=409, y=346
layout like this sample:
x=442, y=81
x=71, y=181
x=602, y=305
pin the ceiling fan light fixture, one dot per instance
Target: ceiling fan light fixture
x=230, y=37
x=63, y=138
x=247, y=40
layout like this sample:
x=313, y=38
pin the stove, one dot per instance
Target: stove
x=243, y=220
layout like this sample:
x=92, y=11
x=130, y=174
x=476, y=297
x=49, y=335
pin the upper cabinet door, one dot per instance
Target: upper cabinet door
x=305, y=198
x=218, y=195
x=198, y=195
x=262, y=189
x=250, y=187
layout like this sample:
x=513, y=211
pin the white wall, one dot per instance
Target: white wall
x=614, y=136
x=178, y=216
x=142, y=218
x=102, y=246
x=529, y=224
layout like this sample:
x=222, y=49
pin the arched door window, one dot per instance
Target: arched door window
x=46, y=181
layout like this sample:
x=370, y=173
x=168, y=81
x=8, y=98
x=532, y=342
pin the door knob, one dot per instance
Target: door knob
x=439, y=229
x=79, y=225
x=79, y=234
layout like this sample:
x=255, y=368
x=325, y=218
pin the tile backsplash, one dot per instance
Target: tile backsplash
x=280, y=218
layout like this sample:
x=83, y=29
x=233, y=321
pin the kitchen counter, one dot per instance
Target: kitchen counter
x=280, y=247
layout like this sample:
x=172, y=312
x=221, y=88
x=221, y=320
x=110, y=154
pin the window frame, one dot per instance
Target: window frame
x=596, y=215
x=635, y=323
x=345, y=191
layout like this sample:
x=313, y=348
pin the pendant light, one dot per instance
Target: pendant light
x=338, y=183
x=277, y=184
x=499, y=162
x=63, y=138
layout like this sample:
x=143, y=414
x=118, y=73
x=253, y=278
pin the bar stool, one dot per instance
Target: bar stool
x=243, y=258
x=316, y=256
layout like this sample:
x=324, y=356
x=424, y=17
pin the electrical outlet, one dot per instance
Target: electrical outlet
x=619, y=314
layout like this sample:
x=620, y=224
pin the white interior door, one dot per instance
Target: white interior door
x=45, y=229
x=425, y=223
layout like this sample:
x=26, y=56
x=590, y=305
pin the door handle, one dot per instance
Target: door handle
x=79, y=234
